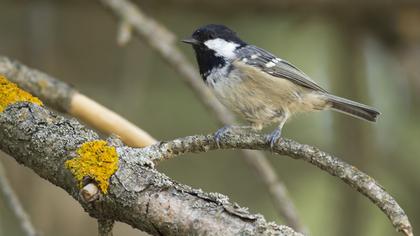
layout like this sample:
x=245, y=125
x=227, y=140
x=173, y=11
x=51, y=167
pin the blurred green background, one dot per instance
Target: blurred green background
x=367, y=51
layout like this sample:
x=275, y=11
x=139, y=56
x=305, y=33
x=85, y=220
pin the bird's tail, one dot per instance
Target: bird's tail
x=352, y=108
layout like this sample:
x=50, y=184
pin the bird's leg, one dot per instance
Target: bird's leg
x=274, y=137
x=234, y=129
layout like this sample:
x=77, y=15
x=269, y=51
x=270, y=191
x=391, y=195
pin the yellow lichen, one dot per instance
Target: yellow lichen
x=10, y=93
x=97, y=160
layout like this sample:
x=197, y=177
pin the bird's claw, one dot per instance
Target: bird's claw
x=273, y=138
x=220, y=133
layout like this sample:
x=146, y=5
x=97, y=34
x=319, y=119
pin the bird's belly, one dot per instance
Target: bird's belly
x=252, y=103
x=250, y=108
x=263, y=100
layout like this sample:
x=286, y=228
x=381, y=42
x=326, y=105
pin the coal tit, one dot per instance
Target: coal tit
x=259, y=86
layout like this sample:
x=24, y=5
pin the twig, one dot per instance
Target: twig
x=162, y=40
x=15, y=205
x=334, y=166
x=138, y=194
x=89, y=192
x=124, y=33
x=105, y=227
x=64, y=98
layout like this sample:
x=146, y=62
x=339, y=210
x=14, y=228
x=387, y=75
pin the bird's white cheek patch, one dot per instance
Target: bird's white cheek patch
x=222, y=47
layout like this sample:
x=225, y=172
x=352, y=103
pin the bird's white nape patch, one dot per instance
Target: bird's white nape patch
x=222, y=47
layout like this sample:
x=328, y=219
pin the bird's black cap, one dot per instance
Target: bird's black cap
x=213, y=31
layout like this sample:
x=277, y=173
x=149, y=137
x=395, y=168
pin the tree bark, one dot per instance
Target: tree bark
x=138, y=195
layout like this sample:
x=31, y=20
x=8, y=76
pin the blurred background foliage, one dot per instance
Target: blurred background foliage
x=368, y=51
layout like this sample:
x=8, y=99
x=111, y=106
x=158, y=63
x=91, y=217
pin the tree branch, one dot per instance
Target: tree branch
x=64, y=98
x=334, y=166
x=138, y=194
x=15, y=205
x=162, y=41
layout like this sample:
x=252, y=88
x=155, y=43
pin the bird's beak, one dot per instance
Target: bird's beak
x=191, y=40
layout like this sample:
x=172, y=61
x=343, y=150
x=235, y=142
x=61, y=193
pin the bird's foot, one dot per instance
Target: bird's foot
x=221, y=132
x=228, y=129
x=273, y=138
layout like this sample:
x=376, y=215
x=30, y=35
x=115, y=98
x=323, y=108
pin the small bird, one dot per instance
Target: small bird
x=259, y=86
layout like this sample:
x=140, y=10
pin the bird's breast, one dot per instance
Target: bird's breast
x=218, y=76
x=239, y=95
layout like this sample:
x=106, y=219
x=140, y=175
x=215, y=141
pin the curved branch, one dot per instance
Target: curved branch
x=138, y=194
x=334, y=166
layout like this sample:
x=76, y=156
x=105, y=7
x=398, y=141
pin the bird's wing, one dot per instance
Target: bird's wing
x=275, y=66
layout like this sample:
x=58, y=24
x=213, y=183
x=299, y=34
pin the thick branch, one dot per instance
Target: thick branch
x=334, y=166
x=51, y=91
x=64, y=98
x=138, y=194
x=162, y=41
